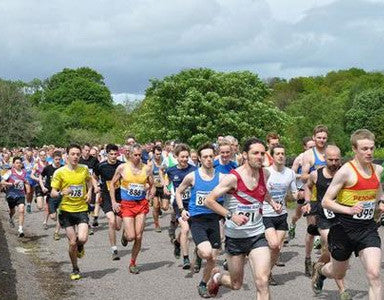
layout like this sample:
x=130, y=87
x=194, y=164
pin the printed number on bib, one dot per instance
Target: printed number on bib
x=329, y=214
x=136, y=190
x=250, y=211
x=19, y=185
x=187, y=194
x=76, y=191
x=200, y=198
x=157, y=179
x=367, y=212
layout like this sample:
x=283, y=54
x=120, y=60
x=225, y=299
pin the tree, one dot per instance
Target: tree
x=196, y=105
x=82, y=84
x=367, y=112
x=18, y=124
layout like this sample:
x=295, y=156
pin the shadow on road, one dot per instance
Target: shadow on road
x=124, y=252
x=327, y=294
x=7, y=273
x=286, y=256
x=99, y=273
x=284, y=278
x=156, y=265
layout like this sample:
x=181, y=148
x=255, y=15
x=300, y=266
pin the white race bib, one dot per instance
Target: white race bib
x=200, y=198
x=367, y=212
x=19, y=185
x=76, y=191
x=251, y=211
x=136, y=189
x=329, y=214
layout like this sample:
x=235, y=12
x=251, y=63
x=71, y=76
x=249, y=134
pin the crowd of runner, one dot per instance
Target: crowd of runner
x=224, y=197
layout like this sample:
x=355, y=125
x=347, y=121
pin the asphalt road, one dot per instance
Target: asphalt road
x=37, y=267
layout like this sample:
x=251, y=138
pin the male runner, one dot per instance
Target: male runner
x=16, y=183
x=322, y=178
x=160, y=200
x=45, y=179
x=73, y=183
x=134, y=177
x=272, y=140
x=312, y=160
x=28, y=163
x=38, y=167
x=223, y=162
x=357, y=190
x=176, y=175
x=204, y=222
x=244, y=228
x=308, y=143
x=105, y=172
x=280, y=181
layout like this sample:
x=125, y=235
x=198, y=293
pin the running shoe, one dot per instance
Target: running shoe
x=198, y=261
x=317, y=278
x=134, y=269
x=91, y=231
x=21, y=233
x=345, y=296
x=308, y=267
x=203, y=291
x=124, y=240
x=11, y=223
x=177, y=250
x=45, y=226
x=80, y=251
x=75, y=275
x=29, y=210
x=158, y=229
x=279, y=262
x=225, y=265
x=56, y=236
x=212, y=285
x=115, y=255
x=95, y=222
x=186, y=264
x=292, y=231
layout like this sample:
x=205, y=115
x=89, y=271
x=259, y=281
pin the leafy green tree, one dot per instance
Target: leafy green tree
x=367, y=112
x=18, y=124
x=198, y=104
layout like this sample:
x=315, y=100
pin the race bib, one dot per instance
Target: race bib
x=19, y=185
x=200, y=198
x=117, y=184
x=157, y=180
x=367, y=212
x=329, y=214
x=90, y=171
x=187, y=194
x=76, y=191
x=135, y=189
x=251, y=211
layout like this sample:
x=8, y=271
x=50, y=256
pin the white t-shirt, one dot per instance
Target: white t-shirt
x=278, y=185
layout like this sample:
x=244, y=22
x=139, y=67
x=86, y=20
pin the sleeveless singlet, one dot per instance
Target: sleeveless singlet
x=247, y=202
x=132, y=186
x=322, y=185
x=364, y=191
x=199, y=193
x=156, y=175
x=18, y=189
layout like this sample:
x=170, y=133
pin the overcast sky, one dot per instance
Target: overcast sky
x=131, y=41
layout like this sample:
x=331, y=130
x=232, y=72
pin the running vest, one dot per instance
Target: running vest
x=199, y=193
x=225, y=169
x=156, y=174
x=269, y=158
x=247, y=202
x=18, y=189
x=318, y=162
x=132, y=186
x=364, y=191
x=322, y=185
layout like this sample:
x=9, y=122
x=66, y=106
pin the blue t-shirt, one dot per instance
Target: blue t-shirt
x=177, y=175
x=225, y=169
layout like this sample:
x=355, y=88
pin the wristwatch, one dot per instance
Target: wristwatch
x=228, y=216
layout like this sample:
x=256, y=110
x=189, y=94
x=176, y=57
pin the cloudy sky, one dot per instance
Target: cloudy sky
x=131, y=41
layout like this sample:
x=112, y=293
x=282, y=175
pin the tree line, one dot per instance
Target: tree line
x=193, y=106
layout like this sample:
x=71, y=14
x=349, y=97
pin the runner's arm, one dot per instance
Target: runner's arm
x=306, y=166
x=186, y=183
x=33, y=175
x=115, y=179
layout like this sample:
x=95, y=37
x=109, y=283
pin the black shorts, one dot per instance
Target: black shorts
x=53, y=204
x=176, y=209
x=106, y=203
x=206, y=228
x=15, y=201
x=239, y=246
x=341, y=244
x=324, y=223
x=160, y=194
x=68, y=219
x=39, y=191
x=279, y=222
